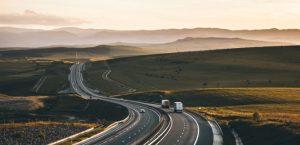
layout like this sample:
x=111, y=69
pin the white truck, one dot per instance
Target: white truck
x=165, y=103
x=178, y=107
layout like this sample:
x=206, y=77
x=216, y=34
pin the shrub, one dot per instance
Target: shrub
x=256, y=116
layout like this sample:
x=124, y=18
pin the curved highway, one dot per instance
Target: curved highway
x=155, y=126
x=134, y=130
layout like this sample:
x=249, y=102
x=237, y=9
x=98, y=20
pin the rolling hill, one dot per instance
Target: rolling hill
x=65, y=53
x=210, y=43
x=242, y=67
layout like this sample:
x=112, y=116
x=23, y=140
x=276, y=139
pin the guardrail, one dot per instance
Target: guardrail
x=88, y=130
x=217, y=124
x=106, y=131
x=71, y=137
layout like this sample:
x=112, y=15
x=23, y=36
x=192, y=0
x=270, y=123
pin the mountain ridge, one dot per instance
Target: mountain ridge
x=18, y=37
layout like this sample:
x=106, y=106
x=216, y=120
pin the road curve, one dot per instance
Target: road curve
x=133, y=131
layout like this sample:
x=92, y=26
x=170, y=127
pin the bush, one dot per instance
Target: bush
x=256, y=116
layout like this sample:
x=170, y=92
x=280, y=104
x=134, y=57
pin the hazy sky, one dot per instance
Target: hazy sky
x=151, y=14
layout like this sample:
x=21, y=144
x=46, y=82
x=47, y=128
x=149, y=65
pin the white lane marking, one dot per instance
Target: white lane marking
x=198, y=129
x=171, y=121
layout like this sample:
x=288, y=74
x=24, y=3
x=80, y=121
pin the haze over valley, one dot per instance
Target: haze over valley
x=18, y=37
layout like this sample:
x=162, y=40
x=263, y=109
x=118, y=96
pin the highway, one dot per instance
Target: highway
x=155, y=126
x=138, y=125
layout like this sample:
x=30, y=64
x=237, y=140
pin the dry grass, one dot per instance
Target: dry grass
x=266, y=93
x=45, y=123
x=268, y=112
x=28, y=103
x=259, y=93
x=282, y=110
x=221, y=97
x=286, y=106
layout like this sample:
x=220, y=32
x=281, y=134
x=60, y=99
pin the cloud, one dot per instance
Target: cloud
x=30, y=17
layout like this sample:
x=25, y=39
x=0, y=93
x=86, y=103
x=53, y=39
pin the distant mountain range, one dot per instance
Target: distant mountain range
x=19, y=37
x=210, y=43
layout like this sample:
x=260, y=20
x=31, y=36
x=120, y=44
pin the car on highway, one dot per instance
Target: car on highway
x=165, y=103
x=142, y=111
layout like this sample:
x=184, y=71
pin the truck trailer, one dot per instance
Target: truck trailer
x=178, y=107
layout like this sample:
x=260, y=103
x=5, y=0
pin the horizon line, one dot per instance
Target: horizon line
x=104, y=29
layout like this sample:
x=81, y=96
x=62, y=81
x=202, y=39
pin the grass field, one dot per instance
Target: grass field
x=56, y=78
x=18, y=78
x=245, y=67
x=235, y=96
x=94, y=78
x=37, y=133
x=42, y=119
x=62, y=108
x=277, y=124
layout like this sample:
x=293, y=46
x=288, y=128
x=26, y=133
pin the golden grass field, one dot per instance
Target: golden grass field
x=284, y=109
x=45, y=123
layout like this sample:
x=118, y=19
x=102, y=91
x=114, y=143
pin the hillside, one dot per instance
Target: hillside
x=244, y=67
x=65, y=53
x=18, y=37
x=196, y=44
